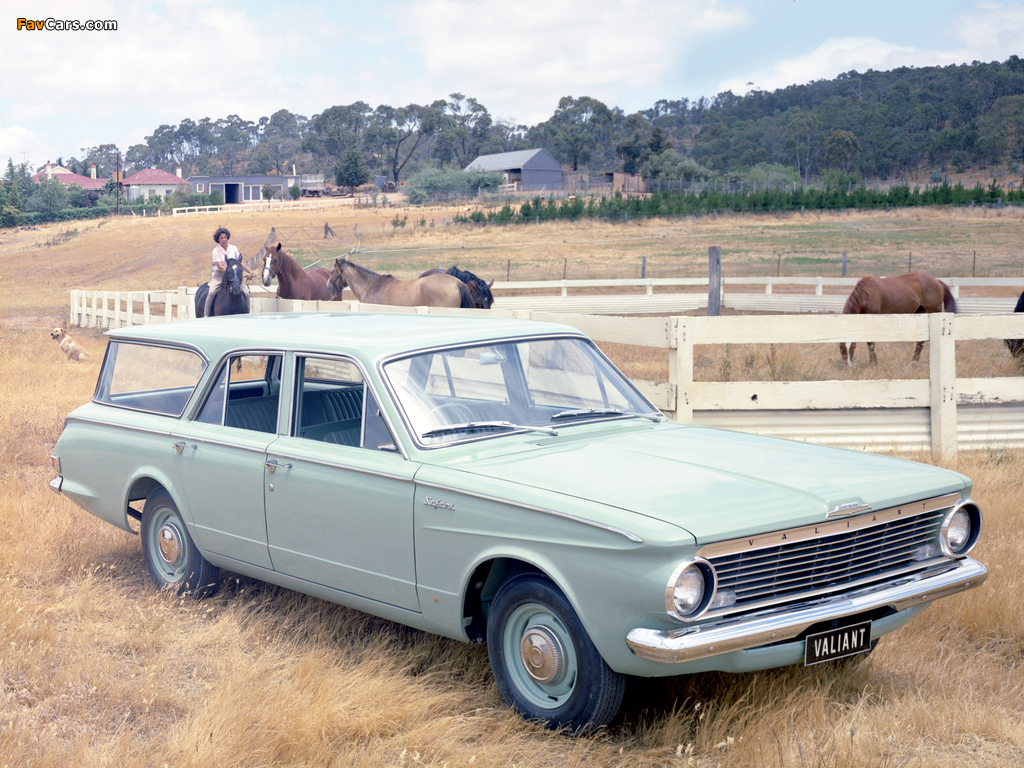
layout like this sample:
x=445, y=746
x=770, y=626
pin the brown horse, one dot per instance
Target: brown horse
x=294, y=282
x=369, y=287
x=478, y=289
x=901, y=294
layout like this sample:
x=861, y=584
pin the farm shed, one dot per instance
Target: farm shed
x=242, y=189
x=531, y=170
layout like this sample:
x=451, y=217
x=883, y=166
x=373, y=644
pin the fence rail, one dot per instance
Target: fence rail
x=305, y=204
x=943, y=413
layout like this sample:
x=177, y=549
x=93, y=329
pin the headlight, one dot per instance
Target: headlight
x=690, y=589
x=960, y=528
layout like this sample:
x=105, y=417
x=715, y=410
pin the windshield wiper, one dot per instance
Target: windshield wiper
x=586, y=412
x=469, y=425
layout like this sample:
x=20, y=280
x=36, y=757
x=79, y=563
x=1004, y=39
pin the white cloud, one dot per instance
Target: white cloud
x=987, y=31
x=831, y=58
x=520, y=57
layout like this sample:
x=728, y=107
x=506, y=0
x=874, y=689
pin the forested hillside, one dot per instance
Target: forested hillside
x=885, y=126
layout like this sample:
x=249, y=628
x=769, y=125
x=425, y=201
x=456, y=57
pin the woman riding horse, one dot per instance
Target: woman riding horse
x=230, y=300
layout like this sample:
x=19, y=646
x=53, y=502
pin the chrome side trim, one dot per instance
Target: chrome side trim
x=680, y=645
x=573, y=518
x=816, y=531
x=116, y=425
x=336, y=464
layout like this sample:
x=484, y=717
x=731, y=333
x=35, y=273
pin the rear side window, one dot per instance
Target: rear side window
x=147, y=377
x=246, y=393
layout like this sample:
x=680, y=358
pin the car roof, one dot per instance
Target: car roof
x=373, y=336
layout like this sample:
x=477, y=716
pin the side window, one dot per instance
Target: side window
x=246, y=394
x=330, y=402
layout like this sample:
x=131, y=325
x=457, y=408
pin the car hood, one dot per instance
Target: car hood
x=713, y=483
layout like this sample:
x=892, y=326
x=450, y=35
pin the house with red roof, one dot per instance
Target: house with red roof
x=67, y=178
x=151, y=182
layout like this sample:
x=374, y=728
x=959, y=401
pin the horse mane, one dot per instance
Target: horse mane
x=482, y=288
x=364, y=270
x=858, y=296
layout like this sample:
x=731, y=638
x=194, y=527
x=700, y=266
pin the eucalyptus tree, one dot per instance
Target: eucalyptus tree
x=279, y=141
x=104, y=157
x=396, y=133
x=633, y=145
x=576, y=129
x=234, y=139
x=463, y=128
x=331, y=134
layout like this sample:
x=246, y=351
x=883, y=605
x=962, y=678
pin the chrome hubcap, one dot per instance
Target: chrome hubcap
x=169, y=543
x=542, y=655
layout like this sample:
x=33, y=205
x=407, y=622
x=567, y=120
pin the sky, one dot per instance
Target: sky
x=64, y=91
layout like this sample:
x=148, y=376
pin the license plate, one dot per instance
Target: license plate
x=837, y=643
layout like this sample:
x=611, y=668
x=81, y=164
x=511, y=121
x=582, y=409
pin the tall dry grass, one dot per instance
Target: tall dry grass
x=98, y=669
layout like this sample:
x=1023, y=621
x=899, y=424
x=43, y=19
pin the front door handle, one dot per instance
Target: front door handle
x=180, y=447
x=272, y=465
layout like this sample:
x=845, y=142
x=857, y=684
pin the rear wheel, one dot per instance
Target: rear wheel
x=172, y=558
x=544, y=662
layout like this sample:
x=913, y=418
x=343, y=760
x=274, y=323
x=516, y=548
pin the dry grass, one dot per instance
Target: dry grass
x=97, y=669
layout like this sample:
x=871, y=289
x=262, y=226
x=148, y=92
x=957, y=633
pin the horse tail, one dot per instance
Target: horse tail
x=465, y=297
x=948, y=299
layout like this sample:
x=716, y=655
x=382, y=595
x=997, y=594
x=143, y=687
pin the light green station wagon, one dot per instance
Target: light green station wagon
x=500, y=481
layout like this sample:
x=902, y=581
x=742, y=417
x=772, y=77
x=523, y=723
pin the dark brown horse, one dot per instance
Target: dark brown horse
x=294, y=282
x=369, y=287
x=898, y=295
x=478, y=289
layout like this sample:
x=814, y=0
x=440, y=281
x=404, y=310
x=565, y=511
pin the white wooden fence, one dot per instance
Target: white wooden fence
x=943, y=413
x=303, y=204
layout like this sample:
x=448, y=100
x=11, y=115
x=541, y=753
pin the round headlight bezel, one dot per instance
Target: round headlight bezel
x=707, y=572
x=950, y=524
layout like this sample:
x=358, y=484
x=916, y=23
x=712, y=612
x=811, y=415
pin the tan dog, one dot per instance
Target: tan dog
x=69, y=346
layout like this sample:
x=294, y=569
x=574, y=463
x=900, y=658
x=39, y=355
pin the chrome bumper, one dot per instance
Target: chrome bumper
x=55, y=484
x=751, y=631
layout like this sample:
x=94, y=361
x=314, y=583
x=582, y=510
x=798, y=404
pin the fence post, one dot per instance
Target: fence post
x=187, y=308
x=680, y=368
x=942, y=374
x=714, y=281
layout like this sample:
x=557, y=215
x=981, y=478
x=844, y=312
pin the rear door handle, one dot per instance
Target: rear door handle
x=272, y=465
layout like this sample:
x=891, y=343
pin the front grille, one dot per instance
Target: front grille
x=802, y=563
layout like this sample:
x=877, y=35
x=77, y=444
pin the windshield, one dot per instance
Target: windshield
x=487, y=390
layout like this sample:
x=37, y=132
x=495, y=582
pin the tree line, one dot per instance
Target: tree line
x=873, y=125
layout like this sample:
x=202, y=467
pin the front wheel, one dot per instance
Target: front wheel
x=544, y=662
x=173, y=560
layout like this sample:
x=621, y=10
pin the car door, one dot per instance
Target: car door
x=221, y=454
x=340, y=498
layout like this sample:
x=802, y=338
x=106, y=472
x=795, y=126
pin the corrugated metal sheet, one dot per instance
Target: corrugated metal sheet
x=897, y=429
